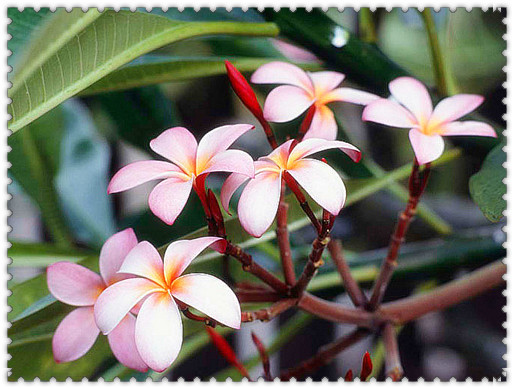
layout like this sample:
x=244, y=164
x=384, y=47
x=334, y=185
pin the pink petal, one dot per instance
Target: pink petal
x=413, y=95
x=168, y=198
x=313, y=145
x=389, y=113
x=138, y=173
x=321, y=182
x=75, y=335
x=113, y=253
x=235, y=161
x=118, y=299
x=144, y=261
x=159, y=331
x=258, y=203
x=455, y=107
x=280, y=155
x=470, y=128
x=293, y=52
x=325, y=81
x=231, y=184
x=427, y=148
x=210, y=296
x=73, y=284
x=218, y=140
x=178, y=145
x=323, y=125
x=180, y=253
x=123, y=344
x=282, y=73
x=286, y=103
x=350, y=95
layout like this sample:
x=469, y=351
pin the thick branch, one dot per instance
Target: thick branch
x=283, y=239
x=269, y=313
x=257, y=296
x=354, y=291
x=393, y=365
x=324, y=355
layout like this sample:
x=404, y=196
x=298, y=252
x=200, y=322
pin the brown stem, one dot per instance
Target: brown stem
x=393, y=365
x=249, y=265
x=270, y=135
x=258, y=296
x=190, y=315
x=335, y=249
x=325, y=355
x=269, y=313
x=283, y=239
x=442, y=297
x=417, y=183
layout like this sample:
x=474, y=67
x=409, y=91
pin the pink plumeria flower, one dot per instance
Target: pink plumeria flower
x=413, y=109
x=303, y=89
x=190, y=164
x=259, y=200
x=76, y=285
x=160, y=285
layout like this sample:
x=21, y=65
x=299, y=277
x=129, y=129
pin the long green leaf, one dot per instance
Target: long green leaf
x=99, y=47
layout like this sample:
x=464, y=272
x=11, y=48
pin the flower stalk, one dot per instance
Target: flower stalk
x=283, y=239
x=393, y=366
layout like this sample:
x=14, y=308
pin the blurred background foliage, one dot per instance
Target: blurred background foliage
x=78, y=116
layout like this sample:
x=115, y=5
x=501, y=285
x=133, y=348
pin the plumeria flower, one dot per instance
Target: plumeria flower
x=259, y=200
x=302, y=90
x=190, y=164
x=161, y=286
x=76, y=285
x=413, y=109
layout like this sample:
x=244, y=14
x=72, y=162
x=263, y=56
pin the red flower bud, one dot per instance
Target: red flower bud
x=349, y=376
x=244, y=91
x=367, y=366
x=226, y=351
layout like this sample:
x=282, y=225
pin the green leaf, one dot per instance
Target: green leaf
x=159, y=70
x=487, y=187
x=42, y=254
x=73, y=58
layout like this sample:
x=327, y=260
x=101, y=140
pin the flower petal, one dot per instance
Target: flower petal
x=144, y=261
x=258, y=203
x=389, y=113
x=234, y=161
x=169, y=197
x=427, y=148
x=178, y=145
x=75, y=335
x=218, y=140
x=138, y=173
x=325, y=81
x=280, y=155
x=118, y=299
x=313, y=145
x=349, y=95
x=321, y=182
x=413, y=95
x=113, y=253
x=231, y=184
x=210, y=296
x=470, y=128
x=159, y=331
x=123, y=344
x=455, y=107
x=180, y=253
x=286, y=103
x=73, y=284
x=282, y=73
x=323, y=125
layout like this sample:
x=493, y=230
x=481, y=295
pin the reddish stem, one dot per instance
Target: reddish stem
x=227, y=351
x=393, y=366
x=269, y=313
x=306, y=123
x=264, y=357
x=295, y=188
x=283, y=239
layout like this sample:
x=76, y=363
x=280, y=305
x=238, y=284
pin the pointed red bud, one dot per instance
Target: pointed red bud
x=226, y=351
x=367, y=366
x=349, y=376
x=244, y=91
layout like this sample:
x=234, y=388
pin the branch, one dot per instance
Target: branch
x=269, y=313
x=354, y=291
x=454, y=292
x=257, y=296
x=325, y=355
x=283, y=239
x=393, y=365
x=417, y=184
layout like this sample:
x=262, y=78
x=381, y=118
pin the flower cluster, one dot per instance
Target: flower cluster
x=137, y=298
